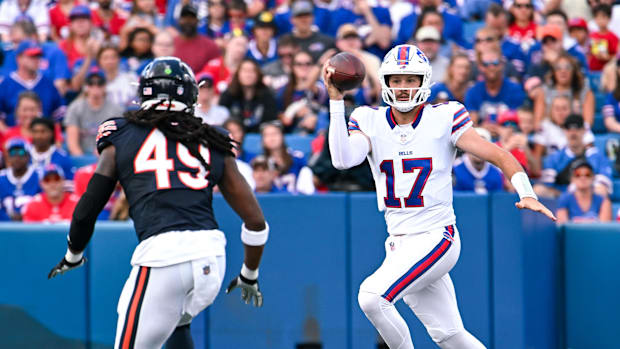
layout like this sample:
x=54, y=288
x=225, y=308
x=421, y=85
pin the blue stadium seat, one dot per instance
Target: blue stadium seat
x=252, y=143
x=83, y=160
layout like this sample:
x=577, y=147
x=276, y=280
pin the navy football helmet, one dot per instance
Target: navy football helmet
x=168, y=83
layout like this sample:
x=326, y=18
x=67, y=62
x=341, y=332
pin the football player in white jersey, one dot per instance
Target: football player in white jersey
x=411, y=147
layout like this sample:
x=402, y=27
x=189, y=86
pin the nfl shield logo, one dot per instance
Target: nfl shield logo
x=403, y=138
x=206, y=270
x=180, y=90
x=147, y=91
x=392, y=247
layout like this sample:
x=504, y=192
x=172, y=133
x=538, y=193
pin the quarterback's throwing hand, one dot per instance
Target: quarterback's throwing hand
x=535, y=205
x=64, y=266
x=249, y=290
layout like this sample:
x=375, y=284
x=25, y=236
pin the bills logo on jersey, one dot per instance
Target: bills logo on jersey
x=105, y=129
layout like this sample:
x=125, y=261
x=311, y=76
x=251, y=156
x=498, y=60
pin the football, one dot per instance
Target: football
x=348, y=71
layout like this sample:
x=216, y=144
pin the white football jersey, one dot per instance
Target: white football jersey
x=412, y=164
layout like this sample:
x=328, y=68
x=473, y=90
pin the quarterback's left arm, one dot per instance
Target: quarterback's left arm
x=472, y=143
x=97, y=194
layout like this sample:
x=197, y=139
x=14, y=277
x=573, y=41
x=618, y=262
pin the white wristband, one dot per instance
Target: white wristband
x=72, y=257
x=249, y=273
x=254, y=238
x=522, y=185
x=336, y=108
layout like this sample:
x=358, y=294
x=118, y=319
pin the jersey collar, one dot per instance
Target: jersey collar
x=23, y=179
x=392, y=122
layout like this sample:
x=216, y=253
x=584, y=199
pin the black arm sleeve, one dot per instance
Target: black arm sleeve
x=88, y=208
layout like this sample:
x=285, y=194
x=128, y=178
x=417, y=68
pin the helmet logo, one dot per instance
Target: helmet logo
x=422, y=56
x=403, y=56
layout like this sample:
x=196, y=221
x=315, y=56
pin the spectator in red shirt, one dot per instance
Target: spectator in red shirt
x=522, y=27
x=75, y=46
x=193, y=48
x=54, y=205
x=80, y=181
x=109, y=19
x=28, y=108
x=512, y=139
x=59, y=19
x=224, y=66
x=603, y=43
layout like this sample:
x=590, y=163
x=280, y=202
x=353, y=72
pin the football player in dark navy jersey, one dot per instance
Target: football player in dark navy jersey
x=168, y=162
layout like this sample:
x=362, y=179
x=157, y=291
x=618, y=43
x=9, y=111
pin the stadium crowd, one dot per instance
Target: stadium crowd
x=539, y=79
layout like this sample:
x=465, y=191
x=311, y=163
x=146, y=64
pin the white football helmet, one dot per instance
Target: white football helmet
x=405, y=59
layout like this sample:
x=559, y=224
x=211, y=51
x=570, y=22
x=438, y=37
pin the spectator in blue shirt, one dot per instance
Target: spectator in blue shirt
x=53, y=63
x=263, y=48
x=18, y=182
x=43, y=150
x=264, y=173
x=293, y=174
x=545, y=52
x=611, y=109
x=321, y=17
x=497, y=18
x=582, y=205
x=514, y=61
x=374, y=25
x=452, y=29
x=486, y=99
x=556, y=167
x=217, y=24
x=474, y=174
x=28, y=77
x=456, y=82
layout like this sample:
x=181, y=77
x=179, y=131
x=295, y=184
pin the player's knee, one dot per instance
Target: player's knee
x=371, y=302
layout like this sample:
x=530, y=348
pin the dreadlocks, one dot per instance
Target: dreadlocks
x=184, y=127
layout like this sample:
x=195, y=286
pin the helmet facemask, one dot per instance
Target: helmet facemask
x=417, y=95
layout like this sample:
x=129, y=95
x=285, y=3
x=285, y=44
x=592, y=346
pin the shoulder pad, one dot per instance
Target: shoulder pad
x=106, y=131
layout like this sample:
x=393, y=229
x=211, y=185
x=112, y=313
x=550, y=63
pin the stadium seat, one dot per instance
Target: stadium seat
x=81, y=161
x=252, y=143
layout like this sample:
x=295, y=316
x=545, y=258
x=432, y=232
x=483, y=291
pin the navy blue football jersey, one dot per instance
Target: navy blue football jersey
x=166, y=187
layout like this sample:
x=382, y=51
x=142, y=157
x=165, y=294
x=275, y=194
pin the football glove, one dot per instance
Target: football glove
x=249, y=290
x=64, y=266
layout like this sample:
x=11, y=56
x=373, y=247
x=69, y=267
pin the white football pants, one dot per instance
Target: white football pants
x=155, y=300
x=416, y=269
